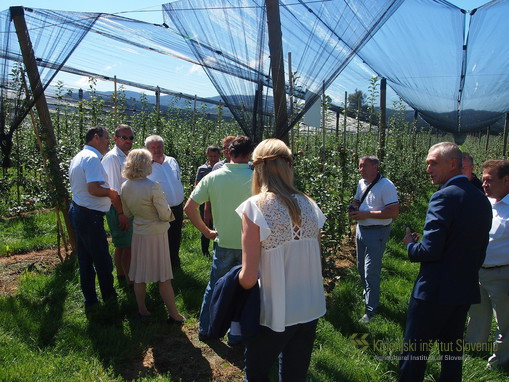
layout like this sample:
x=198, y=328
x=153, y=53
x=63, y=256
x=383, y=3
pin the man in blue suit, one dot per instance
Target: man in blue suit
x=451, y=251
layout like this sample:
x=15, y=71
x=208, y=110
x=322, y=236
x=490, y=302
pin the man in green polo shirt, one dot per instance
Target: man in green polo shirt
x=225, y=188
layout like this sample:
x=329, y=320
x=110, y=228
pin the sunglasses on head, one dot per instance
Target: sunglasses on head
x=125, y=138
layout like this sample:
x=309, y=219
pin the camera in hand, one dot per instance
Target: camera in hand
x=351, y=208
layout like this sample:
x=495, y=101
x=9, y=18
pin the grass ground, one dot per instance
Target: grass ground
x=28, y=232
x=46, y=335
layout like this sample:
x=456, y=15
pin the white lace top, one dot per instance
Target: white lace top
x=290, y=274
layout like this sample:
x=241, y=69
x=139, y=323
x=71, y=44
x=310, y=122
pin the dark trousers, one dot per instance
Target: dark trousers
x=205, y=243
x=93, y=253
x=175, y=235
x=428, y=322
x=293, y=347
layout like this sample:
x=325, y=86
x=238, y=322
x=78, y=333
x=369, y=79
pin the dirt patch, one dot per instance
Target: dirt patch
x=190, y=360
x=12, y=267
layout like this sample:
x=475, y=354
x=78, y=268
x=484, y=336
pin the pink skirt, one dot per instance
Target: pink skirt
x=150, y=258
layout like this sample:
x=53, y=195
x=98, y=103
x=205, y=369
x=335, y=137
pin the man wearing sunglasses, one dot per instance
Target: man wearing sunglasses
x=120, y=226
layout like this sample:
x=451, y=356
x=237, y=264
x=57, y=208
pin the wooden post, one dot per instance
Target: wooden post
x=337, y=125
x=487, y=139
x=257, y=124
x=277, y=68
x=324, y=122
x=506, y=127
x=46, y=130
x=358, y=125
x=115, y=107
x=414, y=132
x=219, y=115
x=383, y=119
x=158, y=109
x=344, y=119
x=193, y=126
x=290, y=81
x=60, y=229
x=80, y=111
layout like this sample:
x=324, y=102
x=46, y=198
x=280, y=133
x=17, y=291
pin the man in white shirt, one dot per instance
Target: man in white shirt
x=166, y=171
x=91, y=199
x=374, y=207
x=494, y=273
x=120, y=227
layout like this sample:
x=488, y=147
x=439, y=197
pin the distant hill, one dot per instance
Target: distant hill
x=134, y=101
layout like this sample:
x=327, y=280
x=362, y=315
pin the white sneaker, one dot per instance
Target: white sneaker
x=365, y=319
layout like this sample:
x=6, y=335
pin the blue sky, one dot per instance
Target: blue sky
x=151, y=12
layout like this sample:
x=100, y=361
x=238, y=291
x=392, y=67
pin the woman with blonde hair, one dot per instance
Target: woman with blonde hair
x=150, y=258
x=281, y=251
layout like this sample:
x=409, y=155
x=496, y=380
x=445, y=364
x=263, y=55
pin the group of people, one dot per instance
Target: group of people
x=463, y=256
x=140, y=192
x=261, y=223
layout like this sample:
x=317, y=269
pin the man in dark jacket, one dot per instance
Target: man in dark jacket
x=451, y=252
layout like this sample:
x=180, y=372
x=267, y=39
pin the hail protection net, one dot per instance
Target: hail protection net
x=458, y=85
x=319, y=38
x=85, y=47
x=485, y=95
x=52, y=42
x=419, y=51
x=458, y=82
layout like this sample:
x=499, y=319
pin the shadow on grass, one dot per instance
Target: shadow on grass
x=55, y=294
x=391, y=311
x=190, y=287
x=38, y=314
x=341, y=304
x=150, y=350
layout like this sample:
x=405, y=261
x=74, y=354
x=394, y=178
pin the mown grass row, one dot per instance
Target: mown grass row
x=45, y=334
x=29, y=232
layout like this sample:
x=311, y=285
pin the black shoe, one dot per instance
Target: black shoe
x=145, y=318
x=91, y=308
x=90, y=304
x=172, y=321
x=235, y=341
x=203, y=337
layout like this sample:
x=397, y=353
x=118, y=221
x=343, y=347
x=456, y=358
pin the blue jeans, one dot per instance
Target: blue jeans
x=223, y=260
x=370, y=248
x=293, y=346
x=93, y=253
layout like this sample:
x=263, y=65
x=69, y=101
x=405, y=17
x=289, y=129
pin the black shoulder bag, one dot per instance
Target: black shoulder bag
x=378, y=177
